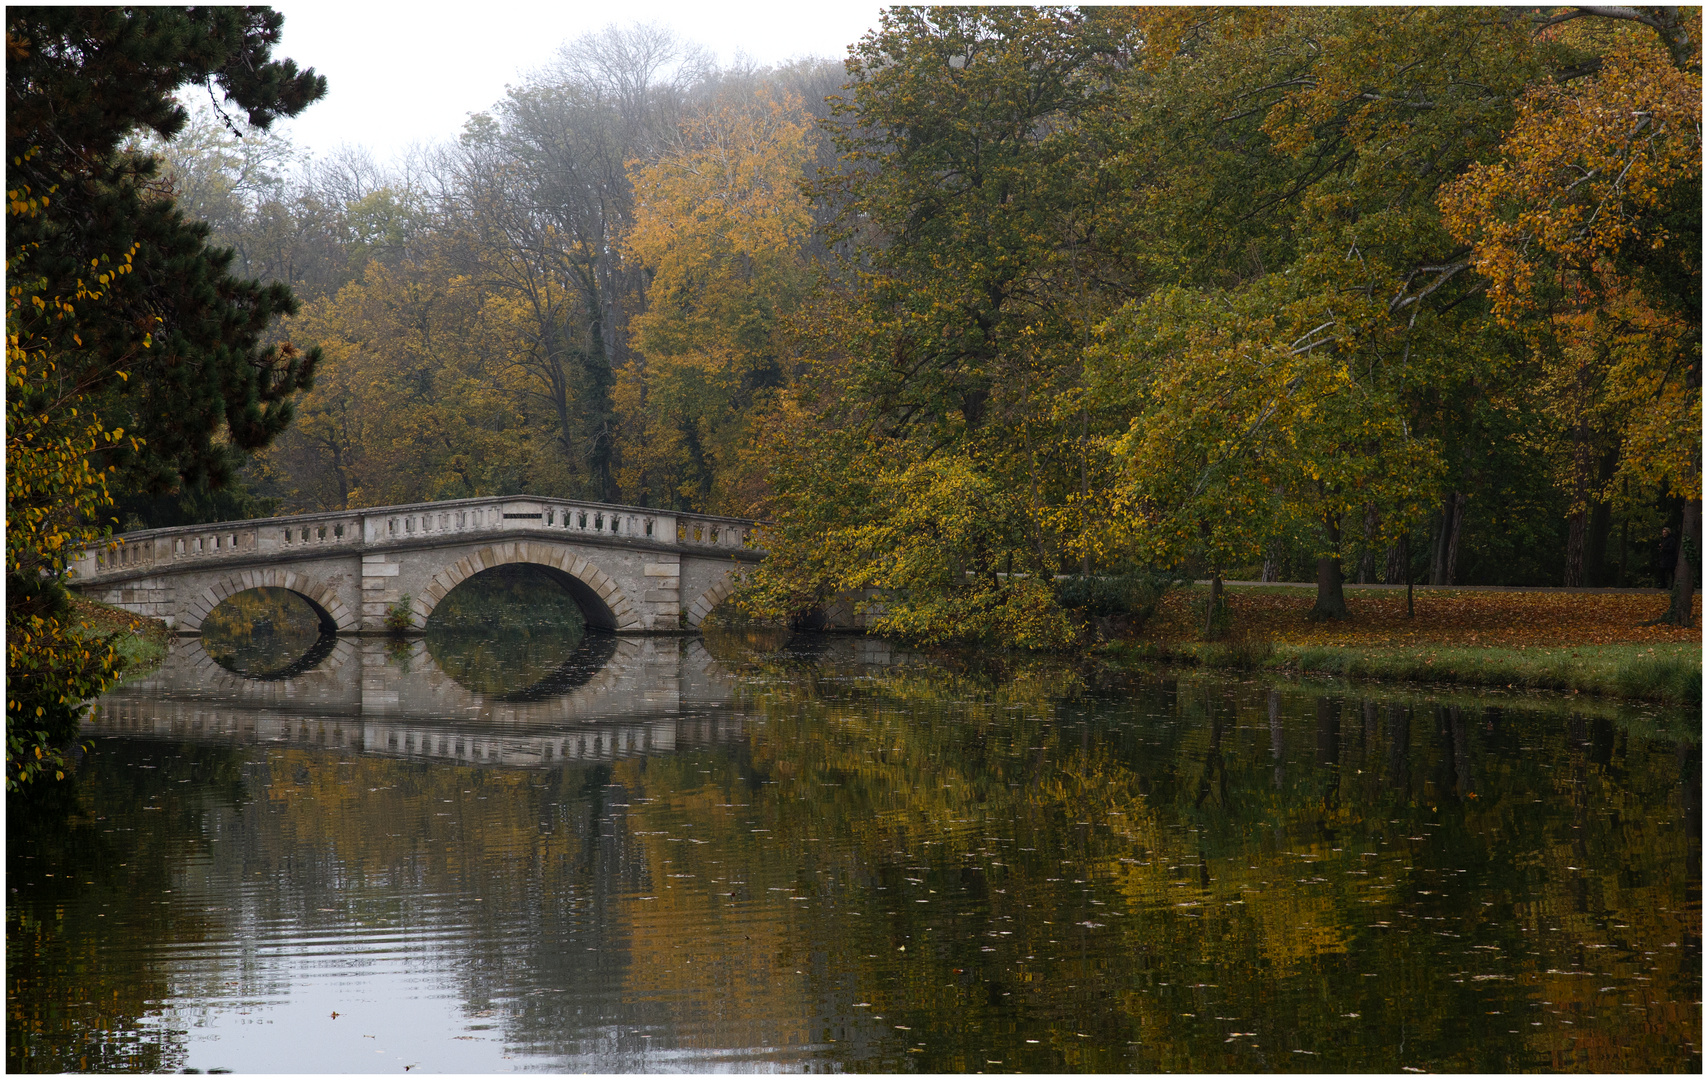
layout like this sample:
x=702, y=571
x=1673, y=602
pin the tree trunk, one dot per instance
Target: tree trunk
x=1272, y=561
x=1624, y=553
x=1331, y=598
x=1450, y=560
x=1396, y=570
x=1406, y=544
x=1689, y=565
x=1600, y=524
x=1214, y=602
x=1576, y=526
x=1444, y=555
x=1595, y=545
x=1444, y=552
x=601, y=378
x=1577, y=574
x=1367, y=560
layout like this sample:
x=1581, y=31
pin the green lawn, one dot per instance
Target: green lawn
x=1663, y=672
x=141, y=643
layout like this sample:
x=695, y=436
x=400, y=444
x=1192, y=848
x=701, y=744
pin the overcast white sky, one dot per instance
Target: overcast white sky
x=404, y=73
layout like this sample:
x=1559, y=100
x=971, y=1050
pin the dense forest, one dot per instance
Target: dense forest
x=1019, y=292
x=1011, y=309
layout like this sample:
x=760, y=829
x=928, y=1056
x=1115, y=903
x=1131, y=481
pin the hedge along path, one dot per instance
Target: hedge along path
x=1444, y=617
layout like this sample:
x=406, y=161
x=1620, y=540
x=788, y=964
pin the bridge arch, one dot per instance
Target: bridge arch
x=603, y=603
x=711, y=598
x=334, y=617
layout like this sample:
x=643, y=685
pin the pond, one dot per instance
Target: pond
x=504, y=848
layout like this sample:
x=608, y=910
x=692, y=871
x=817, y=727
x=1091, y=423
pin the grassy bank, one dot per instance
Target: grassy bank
x=141, y=642
x=1584, y=643
x=1665, y=673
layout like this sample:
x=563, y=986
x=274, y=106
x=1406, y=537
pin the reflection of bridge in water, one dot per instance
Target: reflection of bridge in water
x=652, y=695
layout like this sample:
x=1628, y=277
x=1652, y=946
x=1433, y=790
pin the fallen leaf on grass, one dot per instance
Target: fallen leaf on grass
x=1444, y=617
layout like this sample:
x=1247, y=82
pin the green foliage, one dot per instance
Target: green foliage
x=398, y=618
x=969, y=175
x=56, y=494
x=1188, y=288
x=516, y=598
x=1245, y=653
x=929, y=452
x=945, y=546
x=1135, y=594
x=129, y=348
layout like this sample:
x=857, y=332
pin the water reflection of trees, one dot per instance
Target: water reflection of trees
x=80, y=881
x=266, y=633
x=520, y=667
x=514, y=633
x=1252, y=879
x=1126, y=862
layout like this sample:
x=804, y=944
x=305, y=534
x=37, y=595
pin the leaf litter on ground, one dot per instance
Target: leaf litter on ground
x=1486, y=618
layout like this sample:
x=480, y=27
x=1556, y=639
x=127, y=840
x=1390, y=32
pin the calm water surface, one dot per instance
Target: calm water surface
x=480, y=853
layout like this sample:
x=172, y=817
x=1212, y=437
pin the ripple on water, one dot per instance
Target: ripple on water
x=812, y=863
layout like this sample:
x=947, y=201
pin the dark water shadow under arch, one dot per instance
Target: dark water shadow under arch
x=307, y=662
x=576, y=670
x=518, y=632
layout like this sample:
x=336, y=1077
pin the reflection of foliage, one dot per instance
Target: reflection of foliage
x=1125, y=870
x=260, y=632
x=83, y=1015
x=511, y=666
x=1205, y=877
x=398, y=651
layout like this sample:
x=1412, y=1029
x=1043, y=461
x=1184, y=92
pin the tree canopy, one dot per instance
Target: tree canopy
x=202, y=383
x=137, y=365
x=1012, y=303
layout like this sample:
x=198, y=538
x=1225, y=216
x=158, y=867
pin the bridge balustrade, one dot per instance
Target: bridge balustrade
x=379, y=526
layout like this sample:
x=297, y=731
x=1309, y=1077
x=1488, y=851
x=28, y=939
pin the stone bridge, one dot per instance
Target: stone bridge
x=630, y=569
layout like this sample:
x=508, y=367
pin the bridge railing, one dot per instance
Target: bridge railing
x=383, y=526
